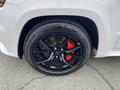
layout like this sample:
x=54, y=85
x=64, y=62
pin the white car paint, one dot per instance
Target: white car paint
x=16, y=13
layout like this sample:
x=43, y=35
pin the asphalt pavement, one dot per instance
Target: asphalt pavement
x=98, y=74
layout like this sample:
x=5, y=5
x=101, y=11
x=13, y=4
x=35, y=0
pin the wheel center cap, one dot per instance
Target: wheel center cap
x=58, y=53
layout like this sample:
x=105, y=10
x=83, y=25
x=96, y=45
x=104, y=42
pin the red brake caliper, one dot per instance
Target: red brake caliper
x=70, y=45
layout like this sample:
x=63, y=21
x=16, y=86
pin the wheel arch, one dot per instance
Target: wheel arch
x=89, y=25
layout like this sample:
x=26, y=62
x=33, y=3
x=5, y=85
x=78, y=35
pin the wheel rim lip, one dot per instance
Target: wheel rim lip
x=61, y=70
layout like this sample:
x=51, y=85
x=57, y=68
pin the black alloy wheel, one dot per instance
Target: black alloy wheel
x=57, y=47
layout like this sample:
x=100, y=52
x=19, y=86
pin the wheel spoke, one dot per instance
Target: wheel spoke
x=50, y=58
x=44, y=45
x=71, y=50
x=62, y=59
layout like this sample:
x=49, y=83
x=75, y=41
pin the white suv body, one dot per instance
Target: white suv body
x=15, y=14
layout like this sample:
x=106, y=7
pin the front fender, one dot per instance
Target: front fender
x=101, y=23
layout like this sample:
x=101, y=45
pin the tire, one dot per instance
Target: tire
x=35, y=49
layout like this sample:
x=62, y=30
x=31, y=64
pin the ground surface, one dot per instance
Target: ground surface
x=98, y=74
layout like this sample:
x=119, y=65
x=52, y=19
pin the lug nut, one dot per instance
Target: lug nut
x=78, y=43
x=56, y=56
x=55, y=48
x=62, y=49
